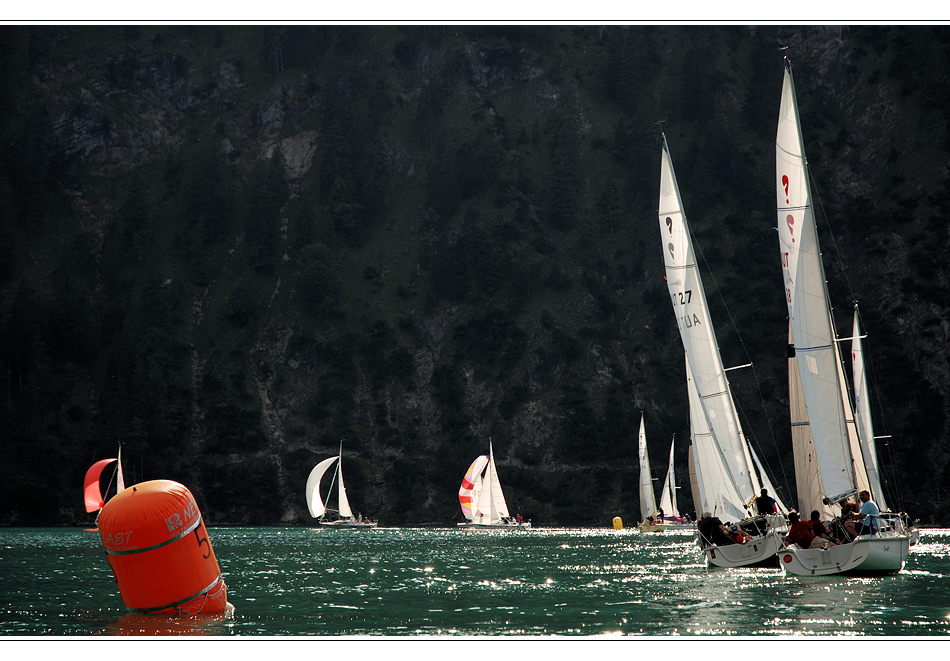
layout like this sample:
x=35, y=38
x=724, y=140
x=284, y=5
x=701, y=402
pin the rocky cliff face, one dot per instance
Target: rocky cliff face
x=463, y=248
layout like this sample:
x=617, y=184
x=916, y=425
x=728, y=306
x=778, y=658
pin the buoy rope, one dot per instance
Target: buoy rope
x=176, y=604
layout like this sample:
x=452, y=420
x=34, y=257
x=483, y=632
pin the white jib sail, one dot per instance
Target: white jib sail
x=807, y=301
x=697, y=332
x=862, y=406
x=719, y=495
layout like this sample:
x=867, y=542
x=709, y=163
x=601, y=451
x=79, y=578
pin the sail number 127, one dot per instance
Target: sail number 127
x=682, y=297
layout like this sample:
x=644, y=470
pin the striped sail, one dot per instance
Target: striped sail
x=471, y=485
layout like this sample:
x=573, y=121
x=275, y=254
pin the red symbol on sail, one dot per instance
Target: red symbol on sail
x=785, y=183
x=790, y=221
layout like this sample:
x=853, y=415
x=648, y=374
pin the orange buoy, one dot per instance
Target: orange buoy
x=159, y=550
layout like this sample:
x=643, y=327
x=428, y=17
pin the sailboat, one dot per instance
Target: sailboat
x=837, y=469
x=670, y=511
x=723, y=460
x=317, y=506
x=92, y=491
x=648, y=510
x=899, y=521
x=482, y=500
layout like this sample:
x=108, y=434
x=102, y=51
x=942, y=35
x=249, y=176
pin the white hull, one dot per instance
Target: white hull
x=652, y=527
x=757, y=551
x=681, y=527
x=865, y=555
x=524, y=525
x=343, y=523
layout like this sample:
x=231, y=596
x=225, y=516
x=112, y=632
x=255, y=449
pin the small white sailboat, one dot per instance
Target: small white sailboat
x=649, y=515
x=724, y=465
x=834, y=467
x=317, y=506
x=92, y=491
x=669, y=510
x=482, y=499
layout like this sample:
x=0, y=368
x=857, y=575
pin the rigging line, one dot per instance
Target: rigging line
x=752, y=437
x=818, y=206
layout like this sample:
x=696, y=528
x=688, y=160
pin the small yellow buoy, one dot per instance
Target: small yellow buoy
x=618, y=523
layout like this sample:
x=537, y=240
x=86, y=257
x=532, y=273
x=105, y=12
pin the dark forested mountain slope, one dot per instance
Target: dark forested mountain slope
x=228, y=248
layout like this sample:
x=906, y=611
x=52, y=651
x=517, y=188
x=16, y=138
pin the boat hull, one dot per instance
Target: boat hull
x=349, y=525
x=652, y=527
x=758, y=551
x=681, y=527
x=524, y=525
x=867, y=555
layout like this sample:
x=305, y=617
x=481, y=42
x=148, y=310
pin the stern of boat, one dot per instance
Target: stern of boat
x=865, y=555
x=757, y=551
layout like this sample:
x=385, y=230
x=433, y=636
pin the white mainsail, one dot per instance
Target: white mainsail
x=491, y=507
x=647, y=499
x=862, y=414
x=698, y=335
x=807, y=473
x=668, y=496
x=808, y=310
x=120, y=477
x=343, y=503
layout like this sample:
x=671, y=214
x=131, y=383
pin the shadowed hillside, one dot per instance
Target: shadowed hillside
x=228, y=248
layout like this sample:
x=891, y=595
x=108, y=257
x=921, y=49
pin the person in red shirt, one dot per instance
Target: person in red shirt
x=799, y=532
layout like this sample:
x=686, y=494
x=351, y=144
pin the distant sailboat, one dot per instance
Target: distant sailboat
x=671, y=516
x=648, y=511
x=482, y=500
x=724, y=463
x=92, y=491
x=317, y=506
x=835, y=465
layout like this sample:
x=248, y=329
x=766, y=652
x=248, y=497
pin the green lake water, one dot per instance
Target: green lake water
x=449, y=583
